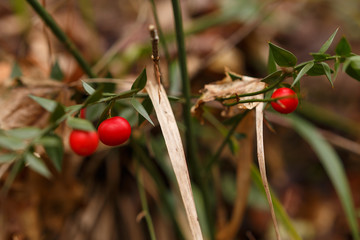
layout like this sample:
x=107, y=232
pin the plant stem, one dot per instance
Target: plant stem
x=50, y=22
x=216, y=156
x=144, y=203
x=180, y=39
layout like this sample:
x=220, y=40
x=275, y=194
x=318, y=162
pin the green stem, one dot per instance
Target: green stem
x=50, y=22
x=191, y=145
x=257, y=100
x=144, y=203
x=272, y=86
x=216, y=156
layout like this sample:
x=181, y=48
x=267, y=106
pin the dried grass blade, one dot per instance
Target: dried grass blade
x=175, y=149
x=261, y=159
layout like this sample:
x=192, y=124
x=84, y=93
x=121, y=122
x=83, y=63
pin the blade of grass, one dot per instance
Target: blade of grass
x=333, y=166
x=144, y=203
x=280, y=211
x=61, y=36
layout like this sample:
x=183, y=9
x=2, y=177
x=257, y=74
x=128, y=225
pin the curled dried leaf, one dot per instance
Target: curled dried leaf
x=228, y=87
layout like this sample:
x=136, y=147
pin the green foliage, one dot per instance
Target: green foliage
x=282, y=57
x=141, y=110
x=54, y=149
x=80, y=124
x=140, y=81
x=343, y=48
x=333, y=166
x=328, y=43
x=24, y=132
x=56, y=72
x=302, y=72
x=49, y=105
x=15, y=71
x=12, y=143
x=36, y=164
x=148, y=106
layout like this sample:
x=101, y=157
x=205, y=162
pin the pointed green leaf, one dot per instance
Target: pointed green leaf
x=333, y=166
x=302, y=72
x=49, y=105
x=317, y=70
x=12, y=143
x=271, y=64
x=80, y=124
x=8, y=157
x=320, y=56
x=24, y=132
x=94, y=97
x=148, y=106
x=54, y=148
x=89, y=89
x=58, y=112
x=282, y=57
x=327, y=44
x=56, y=72
x=141, y=110
x=106, y=113
x=327, y=71
x=343, y=48
x=234, y=76
x=273, y=77
x=352, y=67
x=336, y=68
x=15, y=71
x=37, y=165
x=140, y=81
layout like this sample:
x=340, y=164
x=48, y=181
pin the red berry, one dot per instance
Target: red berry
x=114, y=131
x=286, y=105
x=83, y=113
x=83, y=143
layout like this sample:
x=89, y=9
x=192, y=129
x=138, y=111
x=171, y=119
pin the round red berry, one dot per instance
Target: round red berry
x=83, y=143
x=114, y=131
x=289, y=100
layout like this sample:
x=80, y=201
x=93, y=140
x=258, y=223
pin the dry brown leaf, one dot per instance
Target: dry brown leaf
x=261, y=160
x=226, y=88
x=175, y=149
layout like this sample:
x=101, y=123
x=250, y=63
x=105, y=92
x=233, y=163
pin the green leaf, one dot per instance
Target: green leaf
x=343, y=48
x=56, y=72
x=12, y=143
x=54, y=149
x=8, y=157
x=234, y=76
x=24, y=132
x=141, y=110
x=320, y=56
x=121, y=95
x=37, y=165
x=105, y=114
x=140, y=81
x=333, y=166
x=89, y=89
x=317, y=70
x=302, y=72
x=58, y=112
x=271, y=64
x=94, y=97
x=327, y=44
x=15, y=71
x=148, y=106
x=279, y=210
x=336, y=68
x=272, y=78
x=352, y=67
x=49, y=105
x=282, y=57
x=80, y=124
x=327, y=71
